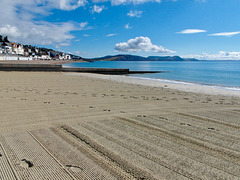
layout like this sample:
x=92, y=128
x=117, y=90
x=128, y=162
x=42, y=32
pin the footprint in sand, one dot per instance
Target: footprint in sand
x=141, y=116
x=26, y=163
x=184, y=124
x=163, y=118
x=213, y=129
x=74, y=168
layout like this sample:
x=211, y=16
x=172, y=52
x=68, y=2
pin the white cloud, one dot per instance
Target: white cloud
x=83, y=25
x=140, y=43
x=227, y=34
x=124, y=2
x=97, y=8
x=221, y=55
x=12, y=31
x=70, y=4
x=109, y=35
x=135, y=13
x=19, y=21
x=127, y=26
x=120, y=2
x=191, y=31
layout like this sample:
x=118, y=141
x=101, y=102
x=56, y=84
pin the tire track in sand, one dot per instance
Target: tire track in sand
x=58, y=162
x=97, y=158
x=231, y=155
x=6, y=168
x=127, y=166
x=206, y=119
x=144, y=154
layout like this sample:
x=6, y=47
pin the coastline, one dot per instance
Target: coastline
x=63, y=126
x=57, y=62
x=182, y=86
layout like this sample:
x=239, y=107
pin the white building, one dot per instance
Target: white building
x=1, y=50
x=45, y=57
x=17, y=49
x=8, y=49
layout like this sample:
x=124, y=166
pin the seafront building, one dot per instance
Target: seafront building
x=16, y=51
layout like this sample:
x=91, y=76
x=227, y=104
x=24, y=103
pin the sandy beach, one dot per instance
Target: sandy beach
x=85, y=126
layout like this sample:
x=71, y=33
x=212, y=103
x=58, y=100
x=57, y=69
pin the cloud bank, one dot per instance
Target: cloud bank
x=140, y=44
x=19, y=21
x=221, y=55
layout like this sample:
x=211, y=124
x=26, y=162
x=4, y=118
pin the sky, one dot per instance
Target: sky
x=202, y=29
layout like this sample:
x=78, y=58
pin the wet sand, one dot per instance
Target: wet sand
x=68, y=126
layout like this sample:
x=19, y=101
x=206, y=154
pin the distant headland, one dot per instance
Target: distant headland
x=126, y=57
x=16, y=51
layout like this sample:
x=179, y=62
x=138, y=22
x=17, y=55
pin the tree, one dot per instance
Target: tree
x=5, y=39
x=4, y=44
x=1, y=40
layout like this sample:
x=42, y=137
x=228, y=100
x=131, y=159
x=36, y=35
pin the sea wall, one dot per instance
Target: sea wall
x=59, y=68
x=30, y=67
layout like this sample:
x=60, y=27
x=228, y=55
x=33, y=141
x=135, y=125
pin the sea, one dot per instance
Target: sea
x=224, y=74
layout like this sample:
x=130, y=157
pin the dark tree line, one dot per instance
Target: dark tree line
x=4, y=40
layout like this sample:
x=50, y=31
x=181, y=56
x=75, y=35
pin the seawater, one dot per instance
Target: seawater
x=215, y=73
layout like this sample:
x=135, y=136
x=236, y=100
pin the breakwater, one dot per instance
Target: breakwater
x=97, y=70
x=60, y=68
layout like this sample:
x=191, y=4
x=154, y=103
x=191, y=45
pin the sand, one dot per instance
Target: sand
x=84, y=126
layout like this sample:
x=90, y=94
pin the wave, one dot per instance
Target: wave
x=189, y=83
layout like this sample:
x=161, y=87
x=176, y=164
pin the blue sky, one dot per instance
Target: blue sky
x=204, y=29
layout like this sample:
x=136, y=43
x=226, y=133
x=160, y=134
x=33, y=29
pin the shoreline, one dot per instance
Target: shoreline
x=164, y=83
